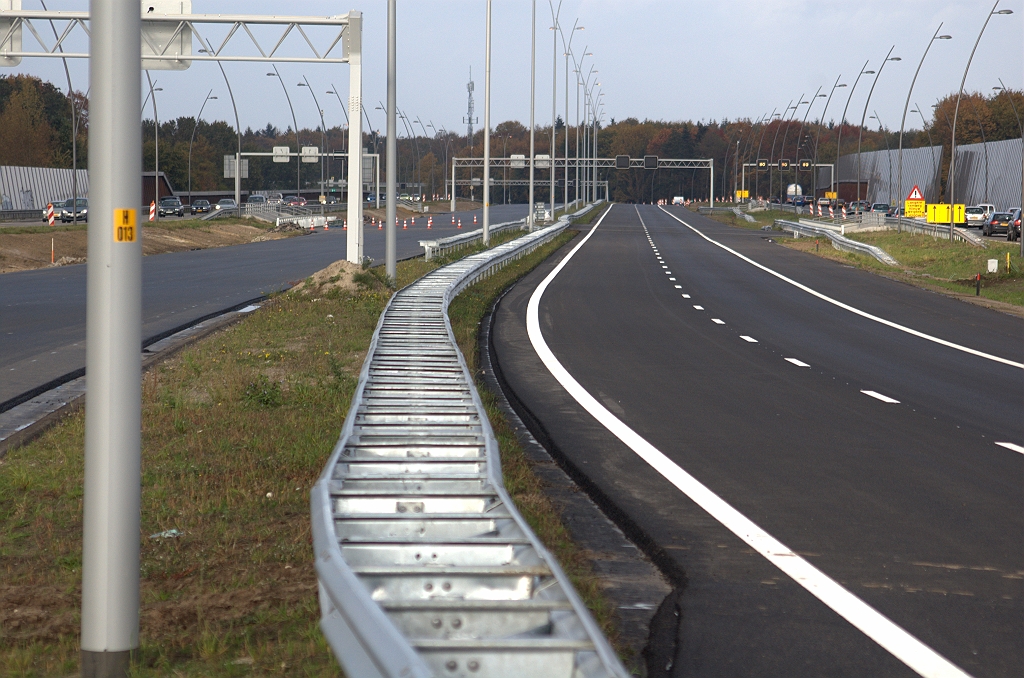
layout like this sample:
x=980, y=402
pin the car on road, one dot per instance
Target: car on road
x=978, y=215
x=80, y=209
x=275, y=199
x=58, y=206
x=1013, y=232
x=171, y=205
x=1000, y=221
x=879, y=207
x=200, y=206
x=256, y=200
x=226, y=204
x=294, y=201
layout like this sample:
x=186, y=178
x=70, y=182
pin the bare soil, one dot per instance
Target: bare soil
x=23, y=251
x=337, y=276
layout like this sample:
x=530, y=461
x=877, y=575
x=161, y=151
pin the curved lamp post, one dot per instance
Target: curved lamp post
x=238, y=126
x=785, y=136
x=568, y=51
x=323, y=139
x=924, y=124
x=156, y=145
x=885, y=138
x=952, y=155
x=817, y=138
x=863, y=117
x=193, y=138
x=899, y=172
x=842, y=121
x=771, y=156
x=757, y=175
x=800, y=135
x=298, y=147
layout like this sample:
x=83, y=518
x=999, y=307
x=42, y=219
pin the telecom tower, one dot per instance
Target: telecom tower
x=469, y=119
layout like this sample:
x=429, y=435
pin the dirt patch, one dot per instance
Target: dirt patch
x=337, y=276
x=23, y=251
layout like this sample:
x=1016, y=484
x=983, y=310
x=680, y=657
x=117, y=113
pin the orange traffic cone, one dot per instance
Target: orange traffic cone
x=430, y=222
x=453, y=220
x=405, y=225
x=327, y=226
x=460, y=223
x=414, y=222
x=474, y=220
x=344, y=225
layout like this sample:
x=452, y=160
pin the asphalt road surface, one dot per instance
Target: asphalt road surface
x=42, y=312
x=718, y=407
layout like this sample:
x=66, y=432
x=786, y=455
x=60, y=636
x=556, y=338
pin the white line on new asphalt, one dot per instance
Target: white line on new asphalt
x=879, y=396
x=686, y=296
x=851, y=309
x=717, y=321
x=1011, y=446
x=798, y=363
x=901, y=644
x=746, y=338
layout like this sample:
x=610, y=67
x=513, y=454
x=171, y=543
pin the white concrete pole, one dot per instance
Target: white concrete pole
x=354, y=250
x=113, y=414
x=487, y=130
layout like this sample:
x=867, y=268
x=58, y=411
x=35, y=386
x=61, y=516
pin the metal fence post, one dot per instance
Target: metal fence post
x=112, y=493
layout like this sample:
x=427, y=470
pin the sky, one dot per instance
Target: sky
x=667, y=60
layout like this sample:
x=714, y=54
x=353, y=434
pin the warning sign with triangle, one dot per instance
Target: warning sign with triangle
x=915, y=194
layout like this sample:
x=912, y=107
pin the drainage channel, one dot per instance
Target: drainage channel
x=425, y=566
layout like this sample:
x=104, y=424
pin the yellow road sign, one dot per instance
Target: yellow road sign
x=742, y=194
x=831, y=195
x=914, y=208
x=124, y=225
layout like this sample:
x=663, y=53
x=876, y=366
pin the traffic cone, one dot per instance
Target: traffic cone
x=380, y=225
x=474, y=220
x=430, y=222
x=460, y=223
x=414, y=222
x=405, y=225
x=344, y=225
x=453, y=219
x=326, y=226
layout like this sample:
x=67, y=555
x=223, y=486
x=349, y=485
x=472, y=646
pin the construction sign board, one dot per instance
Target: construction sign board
x=740, y=195
x=942, y=213
x=915, y=205
x=831, y=195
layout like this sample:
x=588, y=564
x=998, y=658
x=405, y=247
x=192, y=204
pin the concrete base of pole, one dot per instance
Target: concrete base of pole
x=106, y=664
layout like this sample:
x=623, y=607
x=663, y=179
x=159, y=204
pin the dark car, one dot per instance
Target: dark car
x=1013, y=232
x=58, y=206
x=171, y=205
x=80, y=210
x=295, y=200
x=200, y=206
x=1000, y=221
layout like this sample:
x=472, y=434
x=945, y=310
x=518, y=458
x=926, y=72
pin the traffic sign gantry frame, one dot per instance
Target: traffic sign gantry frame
x=116, y=31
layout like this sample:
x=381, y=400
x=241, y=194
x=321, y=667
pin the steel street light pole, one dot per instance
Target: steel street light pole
x=863, y=117
x=112, y=495
x=298, y=146
x=956, y=112
x=194, y=127
x=842, y=121
x=390, y=214
x=238, y=127
x=323, y=139
x=554, y=94
x=906, y=106
x=533, y=87
x=487, y=130
x=818, y=136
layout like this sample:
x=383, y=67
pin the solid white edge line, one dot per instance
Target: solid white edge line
x=851, y=309
x=878, y=396
x=869, y=621
x=798, y=363
x=1011, y=446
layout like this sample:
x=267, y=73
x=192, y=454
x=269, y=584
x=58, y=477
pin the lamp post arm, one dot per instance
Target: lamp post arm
x=906, y=107
x=193, y=138
x=863, y=117
x=842, y=122
x=817, y=137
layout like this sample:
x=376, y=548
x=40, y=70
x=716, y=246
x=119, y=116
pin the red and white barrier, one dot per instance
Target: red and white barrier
x=49, y=215
x=152, y=211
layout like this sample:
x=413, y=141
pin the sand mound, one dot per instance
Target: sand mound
x=337, y=276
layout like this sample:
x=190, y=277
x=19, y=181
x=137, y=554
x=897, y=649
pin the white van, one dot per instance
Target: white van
x=978, y=215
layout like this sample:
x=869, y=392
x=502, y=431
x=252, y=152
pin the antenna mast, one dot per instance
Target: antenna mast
x=469, y=119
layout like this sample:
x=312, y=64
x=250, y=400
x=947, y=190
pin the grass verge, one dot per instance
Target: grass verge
x=925, y=261
x=236, y=428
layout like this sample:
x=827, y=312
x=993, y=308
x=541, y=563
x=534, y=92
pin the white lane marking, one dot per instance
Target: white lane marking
x=798, y=363
x=746, y=338
x=673, y=280
x=718, y=321
x=1011, y=446
x=882, y=630
x=664, y=266
x=668, y=272
x=699, y=308
x=248, y=309
x=851, y=309
x=879, y=396
x=678, y=287
x=686, y=296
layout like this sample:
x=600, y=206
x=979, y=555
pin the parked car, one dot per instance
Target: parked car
x=1013, y=232
x=200, y=206
x=80, y=209
x=256, y=200
x=58, y=206
x=1000, y=221
x=226, y=204
x=171, y=205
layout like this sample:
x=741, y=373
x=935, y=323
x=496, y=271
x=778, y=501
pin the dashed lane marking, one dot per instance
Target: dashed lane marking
x=718, y=321
x=1011, y=446
x=882, y=630
x=699, y=308
x=879, y=396
x=746, y=338
x=798, y=363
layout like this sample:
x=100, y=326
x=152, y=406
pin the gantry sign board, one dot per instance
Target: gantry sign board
x=762, y=164
x=647, y=162
x=915, y=205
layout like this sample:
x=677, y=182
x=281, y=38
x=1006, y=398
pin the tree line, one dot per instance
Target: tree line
x=36, y=130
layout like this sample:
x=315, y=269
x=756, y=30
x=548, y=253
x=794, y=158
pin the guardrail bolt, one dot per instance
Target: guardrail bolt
x=451, y=665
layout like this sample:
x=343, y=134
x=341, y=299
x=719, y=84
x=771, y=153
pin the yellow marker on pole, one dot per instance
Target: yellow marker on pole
x=124, y=225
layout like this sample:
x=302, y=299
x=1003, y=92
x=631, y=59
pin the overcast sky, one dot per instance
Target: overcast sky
x=655, y=59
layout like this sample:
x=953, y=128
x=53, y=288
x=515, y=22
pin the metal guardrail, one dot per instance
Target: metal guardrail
x=24, y=215
x=838, y=241
x=433, y=248
x=425, y=566
x=935, y=230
